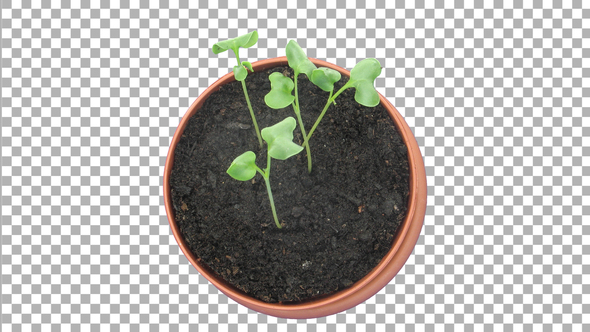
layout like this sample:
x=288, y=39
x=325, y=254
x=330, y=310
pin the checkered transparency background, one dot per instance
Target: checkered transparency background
x=496, y=92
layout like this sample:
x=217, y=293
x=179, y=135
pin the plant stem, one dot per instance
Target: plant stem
x=297, y=110
x=252, y=113
x=307, y=149
x=266, y=177
x=260, y=171
x=272, y=203
x=296, y=74
x=331, y=99
x=248, y=102
x=344, y=87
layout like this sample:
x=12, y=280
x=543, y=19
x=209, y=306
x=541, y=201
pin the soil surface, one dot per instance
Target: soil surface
x=338, y=222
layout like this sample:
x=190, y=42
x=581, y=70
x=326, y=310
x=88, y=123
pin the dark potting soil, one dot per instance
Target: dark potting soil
x=338, y=222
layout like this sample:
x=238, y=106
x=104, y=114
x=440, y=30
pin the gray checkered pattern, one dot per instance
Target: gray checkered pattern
x=497, y=93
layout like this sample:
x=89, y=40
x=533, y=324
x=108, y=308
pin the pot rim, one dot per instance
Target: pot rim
x=402, y=246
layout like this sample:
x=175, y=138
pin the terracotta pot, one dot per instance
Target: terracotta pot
x=381, y=275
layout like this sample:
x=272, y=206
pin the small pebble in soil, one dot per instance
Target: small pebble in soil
x=221, y=155
x=291, y=280
x=346, y=282
x=212, y=179
x=366, y=237
x=304, y=222
x=261, y=116
x=237, y=125
x=334, y=242
x=183, y=190
x=294, y=171
x=372, y=207
x=307, y=182
x=351, y=198
x=388, y=207
x=297, y=211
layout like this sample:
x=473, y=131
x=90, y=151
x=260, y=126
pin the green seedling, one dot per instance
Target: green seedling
x=362, y=78
x=241, y=69
x=280, y=146
x=280, y=95
x=300, y=64
x=281, y=87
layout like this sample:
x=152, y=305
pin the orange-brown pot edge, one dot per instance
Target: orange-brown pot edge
x=379, y=277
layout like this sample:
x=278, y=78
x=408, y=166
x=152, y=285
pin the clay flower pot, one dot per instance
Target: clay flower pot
x=381, y=275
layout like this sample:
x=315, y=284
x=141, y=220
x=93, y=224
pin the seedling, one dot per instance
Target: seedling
x=280, y=146
x=281, y=87
x=241, y=70
x=362, y=78
x=280, y=95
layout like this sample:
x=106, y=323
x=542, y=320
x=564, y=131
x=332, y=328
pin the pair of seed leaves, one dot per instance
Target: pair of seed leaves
x=279, y=138
x=362, y=78
x=244, y=41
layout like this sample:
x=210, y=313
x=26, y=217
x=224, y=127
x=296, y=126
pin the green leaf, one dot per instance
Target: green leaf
x=247, y=65
x=298, y=60
x=280, y=91
x=280, y=139
x=240, y=73
x=243, y=168
x=243, y=41
x=325, y=78
x=362, y=77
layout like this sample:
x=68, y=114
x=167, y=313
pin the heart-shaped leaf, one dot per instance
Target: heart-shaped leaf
x=247, y=65
x=243, y=168
x=243, y=41
x=280, y=91
x=298, y=60
x=325, y=78
x=240, y=73
x=362, y=77
x=280, y=139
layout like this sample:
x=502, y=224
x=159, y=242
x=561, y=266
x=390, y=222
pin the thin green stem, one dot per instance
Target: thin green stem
x=344, y=87
x=266, y=177
x=307, y=149
x=237, y=53
x=248, y=102
x=331, y=99
x=272, y=203
x=296, y=93
x=298, y=113
x=252, y=113
x=267, y=169
x=260, y=171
